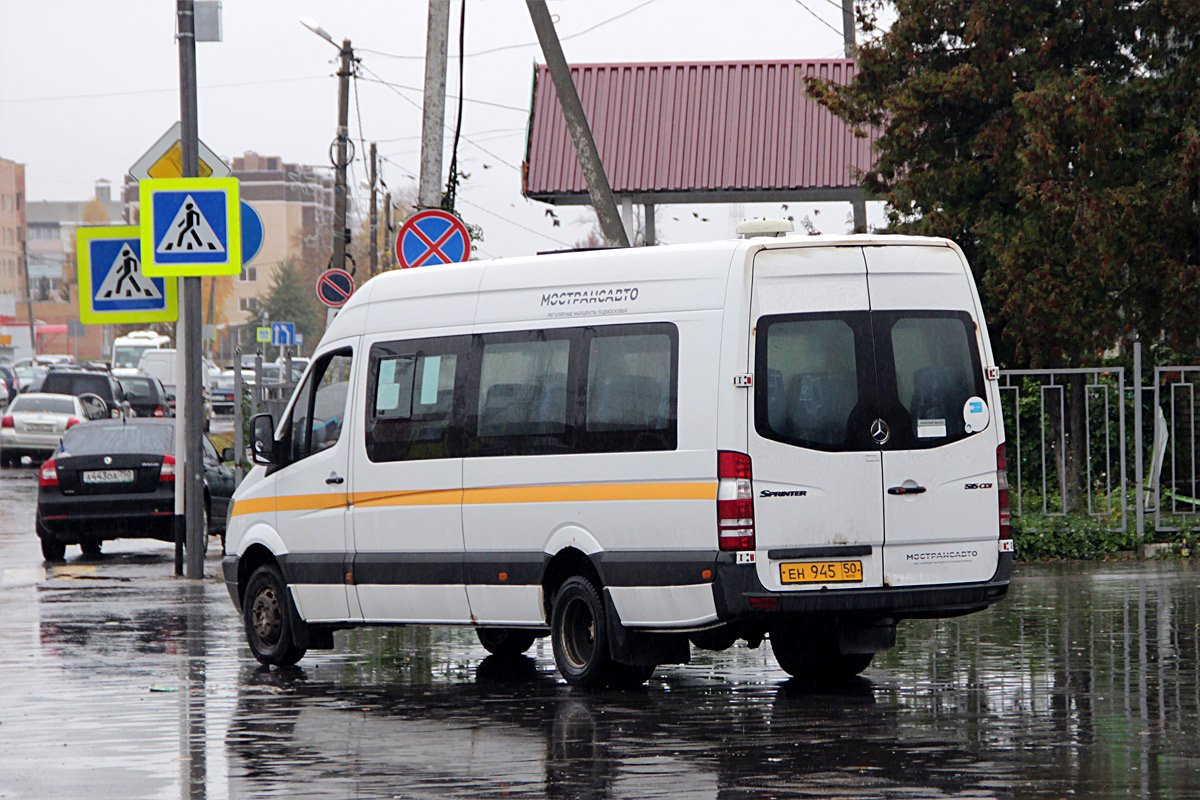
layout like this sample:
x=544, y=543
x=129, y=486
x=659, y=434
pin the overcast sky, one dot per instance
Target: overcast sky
x=86, y=86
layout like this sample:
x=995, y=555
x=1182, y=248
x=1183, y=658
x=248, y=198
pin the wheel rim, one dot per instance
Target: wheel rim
x=579, y=633
x=267, y=616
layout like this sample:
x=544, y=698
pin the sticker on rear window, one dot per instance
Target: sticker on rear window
x=931, y=428
x=975, y=415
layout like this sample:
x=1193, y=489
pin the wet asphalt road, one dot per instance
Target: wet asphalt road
x=120, y=681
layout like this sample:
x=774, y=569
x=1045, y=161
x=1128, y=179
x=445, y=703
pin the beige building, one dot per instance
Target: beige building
x=12, y=228
x=51, y=242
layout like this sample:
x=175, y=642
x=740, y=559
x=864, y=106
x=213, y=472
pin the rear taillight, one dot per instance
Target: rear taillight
x=158, y=411
x=167, y=473
x=735, y=501
x=1002, y=486
x=8, y=422
x=72, y=422
x=49, y=474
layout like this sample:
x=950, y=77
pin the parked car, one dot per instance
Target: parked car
x=222, y=392
x=115, y=479
x=8, y=376
x=29, y=376
x=34, y=423
x=147, y=397
x=3, y=395
x=95, y=386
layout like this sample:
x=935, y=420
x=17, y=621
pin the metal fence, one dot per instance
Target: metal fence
x=1132, y=471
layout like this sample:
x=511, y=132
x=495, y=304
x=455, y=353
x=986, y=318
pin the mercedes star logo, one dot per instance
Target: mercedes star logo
x=108, y=459
x=880, y=431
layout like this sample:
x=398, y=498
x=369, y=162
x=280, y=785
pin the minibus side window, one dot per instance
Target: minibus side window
x=524, y=400
x=631, y=389
x=320, y=407
x=411, y=392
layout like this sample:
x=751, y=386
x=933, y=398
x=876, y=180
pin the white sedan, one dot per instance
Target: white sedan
x=34, y=424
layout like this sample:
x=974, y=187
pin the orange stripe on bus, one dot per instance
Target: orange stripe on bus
x=576, y=493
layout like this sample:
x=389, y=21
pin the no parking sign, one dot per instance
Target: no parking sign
x=432, y=237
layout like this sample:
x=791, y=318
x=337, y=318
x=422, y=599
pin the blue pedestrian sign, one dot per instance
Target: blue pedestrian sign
x=191, y=226
x=113, y=288
x=432, y=237
x=283, y=334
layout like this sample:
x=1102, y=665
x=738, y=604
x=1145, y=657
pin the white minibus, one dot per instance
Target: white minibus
x=637, y=451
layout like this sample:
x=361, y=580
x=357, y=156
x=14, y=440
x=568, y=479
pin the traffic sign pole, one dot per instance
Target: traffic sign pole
x=193, y=398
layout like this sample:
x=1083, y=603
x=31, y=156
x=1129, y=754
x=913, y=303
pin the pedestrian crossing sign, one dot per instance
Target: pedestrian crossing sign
x=191, y=226
x=113, y=288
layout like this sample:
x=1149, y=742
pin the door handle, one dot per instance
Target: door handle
x=906, y=490
x=337, y=480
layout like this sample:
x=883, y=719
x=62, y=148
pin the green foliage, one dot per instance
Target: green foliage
x=293, y=299
x=1058, y=142
x=1074, y=536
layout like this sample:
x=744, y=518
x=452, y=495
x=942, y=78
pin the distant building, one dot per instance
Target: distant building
x=52, y=226
x=12, y=227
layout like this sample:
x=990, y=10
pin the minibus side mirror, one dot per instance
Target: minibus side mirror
x=262, y=440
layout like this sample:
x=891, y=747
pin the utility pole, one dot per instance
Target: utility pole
x=387, y=230
x=191, y=313
x=374, y=217
x=859, y=203
x=433, y=122
x=577, y=125
x=341, y=234
x=33, y=348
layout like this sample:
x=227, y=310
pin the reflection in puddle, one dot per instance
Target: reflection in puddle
x=1084, y=682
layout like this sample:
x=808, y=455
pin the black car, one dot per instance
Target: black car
x=94, y=386
x=115, y=479
x=147, y=397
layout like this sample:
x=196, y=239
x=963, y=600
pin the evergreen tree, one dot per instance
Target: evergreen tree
x=293, y=299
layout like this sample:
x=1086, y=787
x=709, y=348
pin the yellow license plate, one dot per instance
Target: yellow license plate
x=822, y=572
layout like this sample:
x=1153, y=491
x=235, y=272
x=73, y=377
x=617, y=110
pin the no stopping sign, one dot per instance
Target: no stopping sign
x=334, y=287
x=432, y=237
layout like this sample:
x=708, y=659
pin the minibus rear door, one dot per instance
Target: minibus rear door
x=817, y=473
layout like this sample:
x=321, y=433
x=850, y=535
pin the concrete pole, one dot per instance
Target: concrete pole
x=33, y=348
x=374, y=216
x=433, y=122
x=387, y=231
x=848, y=28
x=193, y=360
x=651, y=237
x=340, y=234
x=577, y=125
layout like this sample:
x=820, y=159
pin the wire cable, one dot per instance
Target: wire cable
x=421, y=91
x=510, y=222
x=516, y=46
x=452, y=180
x=817, y=17
x=173, y=90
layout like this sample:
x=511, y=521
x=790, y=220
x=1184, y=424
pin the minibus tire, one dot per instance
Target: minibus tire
x=579, y=633
x=268, y=614
x=815, y=657
x=505, y=641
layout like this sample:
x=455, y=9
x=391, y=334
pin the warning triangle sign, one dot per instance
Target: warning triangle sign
x=125, y=279
x=190, y=232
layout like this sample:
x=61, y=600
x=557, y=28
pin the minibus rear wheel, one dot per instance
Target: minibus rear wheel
x=579, y=633
x=814, y=655
x=268, y=614
x=505, y=641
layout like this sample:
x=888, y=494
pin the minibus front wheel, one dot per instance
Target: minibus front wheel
x=270, y=618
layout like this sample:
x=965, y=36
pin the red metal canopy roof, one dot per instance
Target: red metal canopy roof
x=698, y=132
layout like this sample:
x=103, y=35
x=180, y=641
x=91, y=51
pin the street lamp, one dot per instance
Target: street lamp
x=312, y=25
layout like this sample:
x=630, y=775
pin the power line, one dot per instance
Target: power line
x=173, y=90
x=817, y=17
x=517, y=46
x=510, y=222
x=419, y=90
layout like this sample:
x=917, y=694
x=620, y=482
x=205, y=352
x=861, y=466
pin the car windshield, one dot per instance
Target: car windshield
x=119, y=438
x=129, y=355
x=137, y=388
x=54, y=405
x=77, y=383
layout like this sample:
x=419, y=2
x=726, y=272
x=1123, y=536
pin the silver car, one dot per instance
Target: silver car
x=34, y=424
